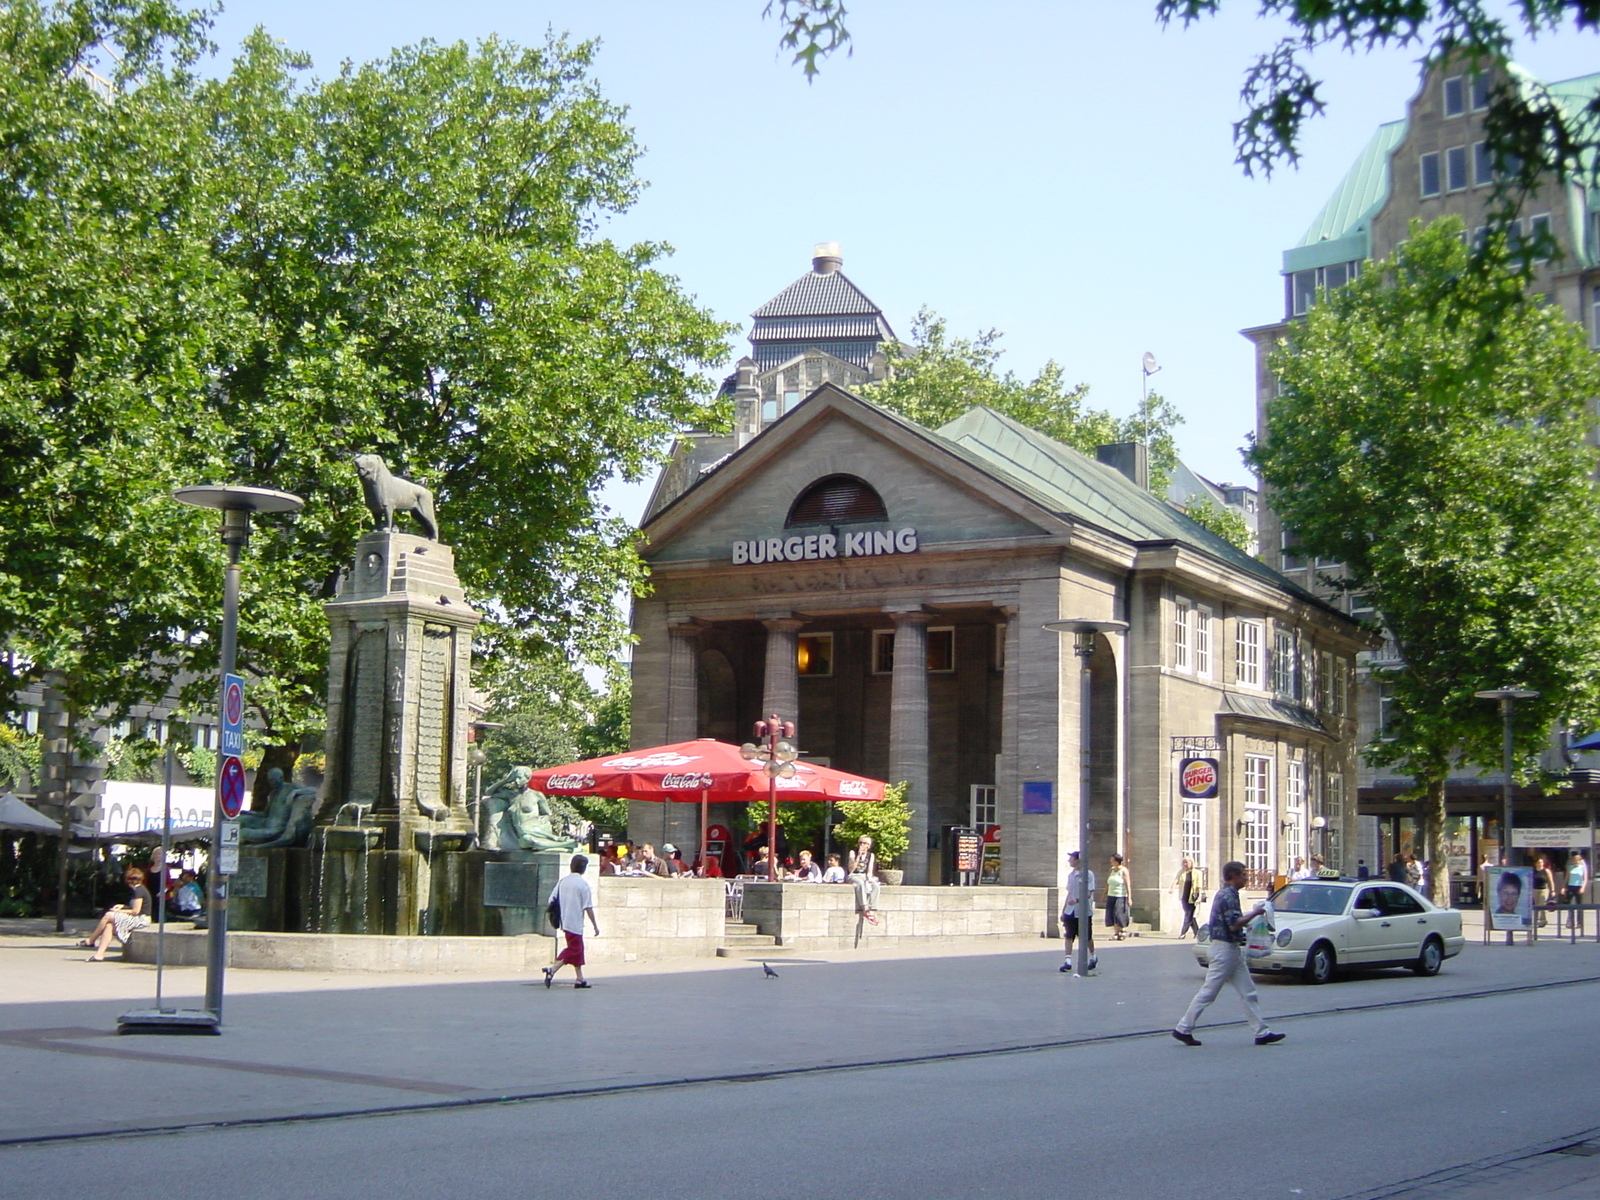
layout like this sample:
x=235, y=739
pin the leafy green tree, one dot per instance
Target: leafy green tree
x=1224, y=522
x=1431, y=436
x=886, y=821
x=551, y=715
x=254, y=278
x=1528, y=129
x=935, y=377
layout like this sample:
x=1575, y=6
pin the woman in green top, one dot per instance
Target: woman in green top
x=1118, y=887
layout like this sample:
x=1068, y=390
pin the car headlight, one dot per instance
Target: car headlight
x=1285, y=936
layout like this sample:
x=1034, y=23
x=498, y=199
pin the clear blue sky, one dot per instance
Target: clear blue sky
x=1062, y=172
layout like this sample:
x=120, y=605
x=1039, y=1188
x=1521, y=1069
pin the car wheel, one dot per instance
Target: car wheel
x=1320, y=964
x=1430, y=959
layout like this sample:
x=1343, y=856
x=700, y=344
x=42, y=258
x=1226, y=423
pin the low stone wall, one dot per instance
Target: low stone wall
x=640, y=920
x=823, y=916
x=349, y=952
x=657, y=918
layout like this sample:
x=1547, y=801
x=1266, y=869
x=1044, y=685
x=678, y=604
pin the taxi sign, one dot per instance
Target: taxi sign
x=232, y=715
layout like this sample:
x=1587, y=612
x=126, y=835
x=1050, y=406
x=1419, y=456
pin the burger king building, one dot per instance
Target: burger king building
x=886, y=586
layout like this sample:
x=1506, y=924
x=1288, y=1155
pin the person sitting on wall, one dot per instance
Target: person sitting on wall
x=834, y=873
x=864, y=875
x=120, y=920
x=805, y=871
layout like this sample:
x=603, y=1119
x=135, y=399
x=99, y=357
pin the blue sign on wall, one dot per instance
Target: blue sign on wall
x=1038, y=797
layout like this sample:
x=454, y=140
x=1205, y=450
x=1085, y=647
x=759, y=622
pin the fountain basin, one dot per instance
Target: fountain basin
x=444, y=841
x=340, y=837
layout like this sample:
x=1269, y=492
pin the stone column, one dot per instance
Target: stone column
x=679, y=823
x=780, y=685
x=683, y=697
x=908, y=731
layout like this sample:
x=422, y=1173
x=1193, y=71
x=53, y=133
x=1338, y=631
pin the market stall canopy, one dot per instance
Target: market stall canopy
x=690, y=772
x=1592, y=742
x=16, y=815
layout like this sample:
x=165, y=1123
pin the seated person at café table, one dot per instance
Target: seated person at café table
x=758, y=864
x=805, y=871
x=674, y=860
x=834, y=873
x=645, y=862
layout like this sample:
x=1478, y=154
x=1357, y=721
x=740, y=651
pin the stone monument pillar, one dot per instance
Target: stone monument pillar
x=399, y=700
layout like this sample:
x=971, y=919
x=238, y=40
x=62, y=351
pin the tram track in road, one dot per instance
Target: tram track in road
x=604, y=1090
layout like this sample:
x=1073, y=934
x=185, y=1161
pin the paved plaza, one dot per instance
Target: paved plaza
x=983, y=1074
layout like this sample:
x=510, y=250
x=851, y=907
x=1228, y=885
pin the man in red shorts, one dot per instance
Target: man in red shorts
x=576, y=898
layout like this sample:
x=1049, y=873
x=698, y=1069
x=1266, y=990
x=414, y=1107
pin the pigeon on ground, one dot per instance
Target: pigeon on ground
x=768, y=971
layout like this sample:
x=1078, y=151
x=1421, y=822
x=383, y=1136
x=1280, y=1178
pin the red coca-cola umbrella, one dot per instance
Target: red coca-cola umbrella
x=701, y=770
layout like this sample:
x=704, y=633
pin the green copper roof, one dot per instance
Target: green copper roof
x=1343, y=229
x=1071, y=484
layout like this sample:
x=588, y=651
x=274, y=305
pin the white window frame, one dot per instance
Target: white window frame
x=983, y=806
x=1182, y=622
x=1285, y=664
x=1258, y=839
x=1248, y=636
x=1450, y=159
x=1295, y=804
x=816, y=637
x=1422, y=174
x=1482, y=165
x=1325, y=674
x=1474, y=81
x=1202, y=641
x=1333, y=815
x=951, y=630
x=1192, y=833
x=879, y=636
x=1339, y=699
x=1460, y=82
x=1534, y=222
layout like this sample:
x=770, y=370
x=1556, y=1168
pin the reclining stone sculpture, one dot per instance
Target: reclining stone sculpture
x=287, y=821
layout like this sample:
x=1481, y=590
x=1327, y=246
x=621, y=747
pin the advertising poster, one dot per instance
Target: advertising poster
x=1510, y=897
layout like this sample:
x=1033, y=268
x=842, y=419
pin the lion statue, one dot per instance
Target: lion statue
x=387, y=494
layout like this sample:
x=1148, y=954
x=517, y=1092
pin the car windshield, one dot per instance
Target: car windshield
x=1321, y=898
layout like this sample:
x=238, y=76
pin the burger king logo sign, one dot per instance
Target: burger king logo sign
x=1197, y=778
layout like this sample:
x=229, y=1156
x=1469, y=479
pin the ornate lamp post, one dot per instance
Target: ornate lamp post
x=778, y=754
x=1083, y=632
x=236, y=504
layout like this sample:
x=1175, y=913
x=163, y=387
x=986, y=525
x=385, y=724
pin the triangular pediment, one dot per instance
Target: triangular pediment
x=925, y=482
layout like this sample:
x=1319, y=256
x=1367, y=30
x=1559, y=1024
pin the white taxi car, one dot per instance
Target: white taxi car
x=1325, y=925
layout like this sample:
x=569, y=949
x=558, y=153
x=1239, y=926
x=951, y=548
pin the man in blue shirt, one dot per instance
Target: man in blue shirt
x=1228, y=962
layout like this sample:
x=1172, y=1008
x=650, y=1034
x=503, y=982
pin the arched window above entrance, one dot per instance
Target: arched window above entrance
x=834, y=499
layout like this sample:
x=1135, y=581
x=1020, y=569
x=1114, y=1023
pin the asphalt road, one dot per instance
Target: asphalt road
x=722, y=1083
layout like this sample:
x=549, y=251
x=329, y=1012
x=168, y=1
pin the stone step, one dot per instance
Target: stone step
x=740, y=928
x=742, y=941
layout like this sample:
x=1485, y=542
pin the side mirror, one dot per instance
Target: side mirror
x=1362, y=914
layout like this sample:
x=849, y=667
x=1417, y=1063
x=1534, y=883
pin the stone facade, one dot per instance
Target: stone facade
x=926, y=660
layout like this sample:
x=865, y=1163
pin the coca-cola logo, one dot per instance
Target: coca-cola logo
x=852, y=787
x=695, y=780
x=668, y=759
x=1198, y=777
x=569, y=783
